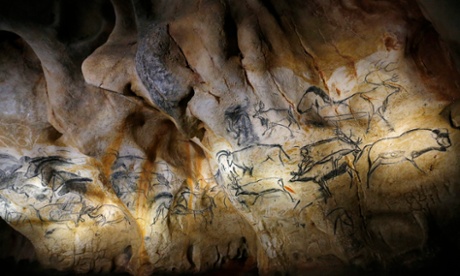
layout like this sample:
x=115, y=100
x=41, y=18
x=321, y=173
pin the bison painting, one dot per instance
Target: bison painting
x=406, y=147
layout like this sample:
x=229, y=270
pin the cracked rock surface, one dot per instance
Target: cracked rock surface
x=256, y=137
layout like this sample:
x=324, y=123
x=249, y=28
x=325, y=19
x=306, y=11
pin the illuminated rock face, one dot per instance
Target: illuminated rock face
x=188, y=136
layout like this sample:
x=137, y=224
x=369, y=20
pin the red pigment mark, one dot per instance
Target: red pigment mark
x=289, y=189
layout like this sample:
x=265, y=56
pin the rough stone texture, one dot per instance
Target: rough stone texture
x=256, y=137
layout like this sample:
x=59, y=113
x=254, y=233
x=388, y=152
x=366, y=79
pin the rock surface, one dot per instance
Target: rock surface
x=246, y=136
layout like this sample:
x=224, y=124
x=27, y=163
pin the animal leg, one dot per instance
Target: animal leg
x=335, y=165
x=290, y=131
x=250, y=170
x=265, y=131
x=280, y=182
x=291, y=119
x=380, y=112
x=373, y=167
x=255, y=199
x=289, y=194
x=369, y=119
x=281, y=159
x=415, y=165
x=323, y=184
x=350, y=173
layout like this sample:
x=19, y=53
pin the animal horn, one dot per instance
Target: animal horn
x=222, y=152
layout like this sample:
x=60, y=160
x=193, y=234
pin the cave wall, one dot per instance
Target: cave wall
x=259, y=136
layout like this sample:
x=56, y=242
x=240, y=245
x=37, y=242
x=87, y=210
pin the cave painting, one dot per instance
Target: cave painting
x=237, y=160
x=362, y=105
x=326, y=159
x=287, y=118
x=261, y=137
x=406, y=148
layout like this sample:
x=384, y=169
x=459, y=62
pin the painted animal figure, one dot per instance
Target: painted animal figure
x=163, y=202
x=196, y=204
x=124, y=183
x=362, y=105
x=45, y=167
x=272, y=118
x=238, y=124
x=249, y=193
x=406, y=147
x=63, y=212
x=9, y=165
x=320, y=173
x=324, y=110
x=32, y=190
x=107, y=214
x=67, y=182
x=128, y=163
x=331, y=150
x=342, y=220
x=249, y=157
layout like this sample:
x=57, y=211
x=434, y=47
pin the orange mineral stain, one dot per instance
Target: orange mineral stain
x=289, y=189
x=141, y=214
x=143, y=186
x=111, y=154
